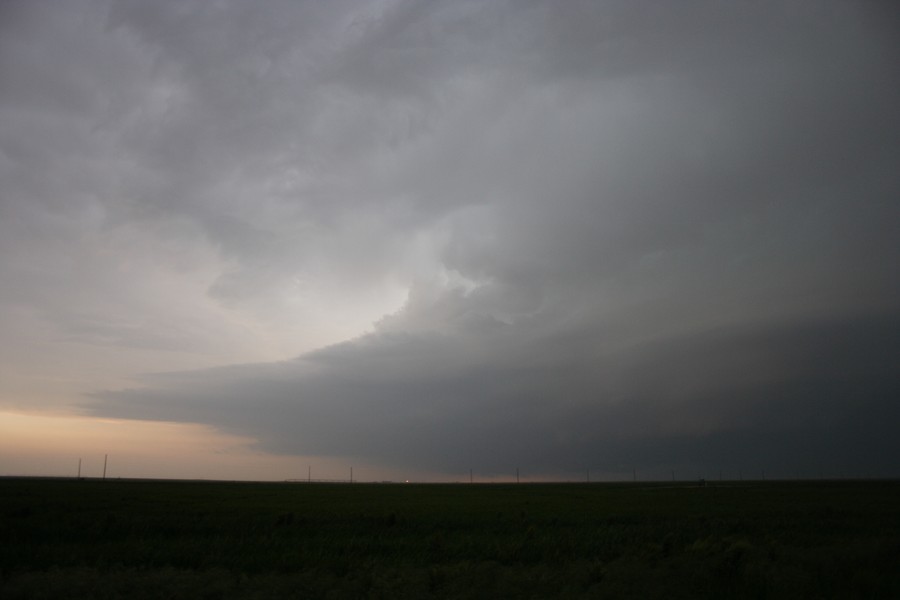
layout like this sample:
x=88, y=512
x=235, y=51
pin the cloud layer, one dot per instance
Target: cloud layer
x=553, y=235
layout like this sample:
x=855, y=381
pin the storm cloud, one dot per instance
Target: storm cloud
x=447, y=235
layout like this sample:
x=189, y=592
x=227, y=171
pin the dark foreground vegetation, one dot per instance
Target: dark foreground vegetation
x=167, y=539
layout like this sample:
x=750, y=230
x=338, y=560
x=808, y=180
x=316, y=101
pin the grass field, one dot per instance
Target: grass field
x=170, y=539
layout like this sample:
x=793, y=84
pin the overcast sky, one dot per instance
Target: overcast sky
x=430, y=237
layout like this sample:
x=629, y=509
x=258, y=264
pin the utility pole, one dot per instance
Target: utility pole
x=105, y=457
x=79, y=468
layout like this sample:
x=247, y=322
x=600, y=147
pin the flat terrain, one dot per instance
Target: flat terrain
x=169, y=539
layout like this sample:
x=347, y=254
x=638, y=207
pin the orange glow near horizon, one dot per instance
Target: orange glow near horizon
x=51, y=445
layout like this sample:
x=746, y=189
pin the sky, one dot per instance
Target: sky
x=282, y=239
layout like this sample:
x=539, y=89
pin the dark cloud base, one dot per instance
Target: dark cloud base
x=826, y=403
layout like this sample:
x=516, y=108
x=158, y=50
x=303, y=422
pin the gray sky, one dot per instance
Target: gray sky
x=438, y=236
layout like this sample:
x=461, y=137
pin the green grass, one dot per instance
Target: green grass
x=152, y=539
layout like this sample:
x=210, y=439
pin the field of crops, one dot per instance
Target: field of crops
x=169, y=539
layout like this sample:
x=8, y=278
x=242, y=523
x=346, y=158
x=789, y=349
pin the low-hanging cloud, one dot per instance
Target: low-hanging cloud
x=817, y=395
